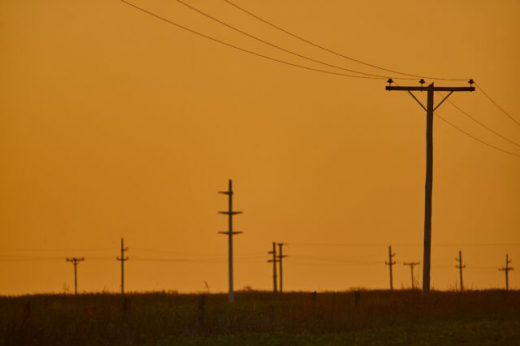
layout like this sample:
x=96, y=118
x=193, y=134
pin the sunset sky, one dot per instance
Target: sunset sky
x=115, y=123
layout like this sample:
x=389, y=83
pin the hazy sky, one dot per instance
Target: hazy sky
x=115, y=124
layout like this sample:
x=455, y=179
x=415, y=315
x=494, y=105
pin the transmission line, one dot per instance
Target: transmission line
x=482, y=124
x=404, y=244
x=476, y=138
x=281, y=48
x=243, y=49
x=333, y=51
x=498, y=106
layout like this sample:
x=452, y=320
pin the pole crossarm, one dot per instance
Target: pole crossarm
x=425, y=88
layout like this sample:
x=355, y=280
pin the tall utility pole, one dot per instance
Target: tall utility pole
x=274, y=260
x=506, y=270
x=460, y=267
x=280, y=260
x=412, y=265
x=75, y=261
x=430, y=109
x=123, y=259
x=390, y=264
x=230, y=233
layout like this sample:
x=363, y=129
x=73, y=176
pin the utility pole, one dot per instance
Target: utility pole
x=506, y=270
x=412, y=265
x=391, y=263
x=280, y=259
x=123, y=259
x=274, y=260
x=230, y=233
x=460, y=267
x=75, y=261
x=430, y=109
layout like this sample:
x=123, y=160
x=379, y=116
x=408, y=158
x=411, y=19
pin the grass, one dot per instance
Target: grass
x=260, y=318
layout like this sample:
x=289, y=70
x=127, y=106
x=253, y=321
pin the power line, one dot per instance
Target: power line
x=404, y=244
x=29, y=259
x=243, y=49
x=336, y=260
x=349, y=244
x=482, y=124
x=333, y=51
x=178, y=253
x=332, y=264
x=281, y=48
x=55, y=249
x=476, y=138
x=498, y=106
x=41, y=258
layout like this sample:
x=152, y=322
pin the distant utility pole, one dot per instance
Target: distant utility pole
x=274, y=260
x=390, y=263
x=230, y=234
x=280, y=260
x=123, y=259
x=412, y=265
x=460, y=267
x=506, y=270
x=75, y=261
x=430, y=109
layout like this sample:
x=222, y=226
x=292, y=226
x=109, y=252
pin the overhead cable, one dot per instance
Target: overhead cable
x=482, y=124
x=335, y=52
x=476, y=138
x=498, y=106
x=243, y=49
x=281, y=48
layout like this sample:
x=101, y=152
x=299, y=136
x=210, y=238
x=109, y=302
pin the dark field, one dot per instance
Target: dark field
x=348, y=318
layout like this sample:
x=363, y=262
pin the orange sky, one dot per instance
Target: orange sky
x=114, y=123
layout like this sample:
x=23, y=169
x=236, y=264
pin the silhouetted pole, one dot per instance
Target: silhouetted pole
x=230, y=234
x=412, y=265
x=274, y=260
x=460, y=267
x=430, y=109
x=75, y=261
x=506, y=270
x=391, y=263
x=123, y=259
x=280, y=260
